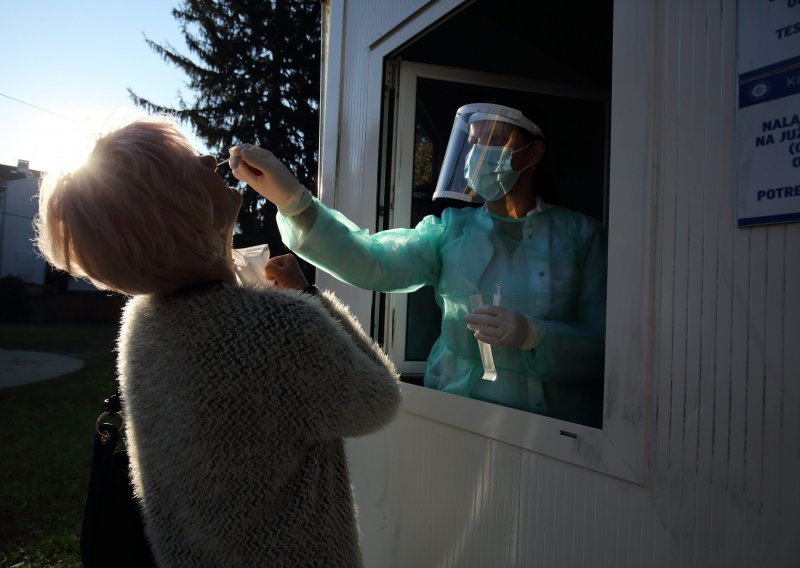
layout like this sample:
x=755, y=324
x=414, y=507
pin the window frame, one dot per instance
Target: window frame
x=619, y=448
x=396, y=305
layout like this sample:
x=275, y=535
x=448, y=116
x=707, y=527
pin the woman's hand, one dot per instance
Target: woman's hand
x=285, y=272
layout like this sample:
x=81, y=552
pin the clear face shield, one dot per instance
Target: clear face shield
x=477, y=162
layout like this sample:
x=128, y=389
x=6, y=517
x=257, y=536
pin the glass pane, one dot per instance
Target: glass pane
x=424, y=317
x=575, y=178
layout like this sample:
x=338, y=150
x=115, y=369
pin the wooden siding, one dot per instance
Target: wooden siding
x=723, y=486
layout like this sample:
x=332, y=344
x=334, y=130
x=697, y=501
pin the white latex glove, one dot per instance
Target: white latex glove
x=499, y=326
x=261, y=170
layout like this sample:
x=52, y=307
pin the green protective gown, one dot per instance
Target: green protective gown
x=552, y=265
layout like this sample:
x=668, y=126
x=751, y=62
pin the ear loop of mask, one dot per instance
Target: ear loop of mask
x=520, y=150
x=507, y=161
x=532, y=165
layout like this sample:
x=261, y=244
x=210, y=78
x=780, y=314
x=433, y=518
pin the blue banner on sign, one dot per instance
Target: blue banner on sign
x=768, y=83
x=768, y=219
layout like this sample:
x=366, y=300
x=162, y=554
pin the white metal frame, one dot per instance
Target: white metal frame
x=619, y=448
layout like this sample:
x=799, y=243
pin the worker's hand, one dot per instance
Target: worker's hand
x=261, y=170
x=502, y=327
x=285, y=272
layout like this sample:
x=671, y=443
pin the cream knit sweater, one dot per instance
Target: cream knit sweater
x=236, y=405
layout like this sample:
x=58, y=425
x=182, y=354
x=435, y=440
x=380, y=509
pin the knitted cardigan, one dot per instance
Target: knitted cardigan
x=236, y=405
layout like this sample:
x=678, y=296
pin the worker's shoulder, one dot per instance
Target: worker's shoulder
x=568, y=218
x=458, y=214
x=449, y=217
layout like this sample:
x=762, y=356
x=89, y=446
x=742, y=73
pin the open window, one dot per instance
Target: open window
x=576, y=124
x=543, y=49
x=563, y=89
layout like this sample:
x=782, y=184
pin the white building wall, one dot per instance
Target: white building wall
x=19, y=206
x=723, y=438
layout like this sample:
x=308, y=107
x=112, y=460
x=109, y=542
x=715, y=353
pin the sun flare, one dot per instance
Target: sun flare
x=64, y=143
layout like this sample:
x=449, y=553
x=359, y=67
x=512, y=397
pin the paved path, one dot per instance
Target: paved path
x=23, y=367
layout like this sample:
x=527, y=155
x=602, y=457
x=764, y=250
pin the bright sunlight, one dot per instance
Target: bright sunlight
x=57, y=143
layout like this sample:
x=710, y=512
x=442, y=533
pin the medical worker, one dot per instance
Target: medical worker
x=523, y=276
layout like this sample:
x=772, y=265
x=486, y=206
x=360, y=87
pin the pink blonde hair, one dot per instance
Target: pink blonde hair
x=132, y=219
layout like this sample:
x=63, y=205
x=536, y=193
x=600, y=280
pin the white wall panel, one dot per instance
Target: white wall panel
x=724, y=406
x=787, y=494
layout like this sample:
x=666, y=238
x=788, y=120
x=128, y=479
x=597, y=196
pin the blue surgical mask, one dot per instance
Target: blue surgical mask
x=488, y=170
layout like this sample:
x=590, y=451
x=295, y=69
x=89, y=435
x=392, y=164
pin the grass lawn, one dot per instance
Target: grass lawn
x=46, y=432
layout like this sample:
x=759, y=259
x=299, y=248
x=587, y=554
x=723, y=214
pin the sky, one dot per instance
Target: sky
x=67, y=66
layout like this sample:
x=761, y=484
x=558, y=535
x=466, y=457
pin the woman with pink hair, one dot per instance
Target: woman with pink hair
x=236, y=400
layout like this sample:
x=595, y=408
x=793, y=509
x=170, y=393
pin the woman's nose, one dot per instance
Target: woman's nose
x=209, y=162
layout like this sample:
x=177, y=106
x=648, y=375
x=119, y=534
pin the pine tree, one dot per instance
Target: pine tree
x=254, y=71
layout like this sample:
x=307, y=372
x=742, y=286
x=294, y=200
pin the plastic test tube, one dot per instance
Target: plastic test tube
x=497, y=299
x=489, y=370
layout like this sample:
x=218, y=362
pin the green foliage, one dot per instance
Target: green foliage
x=46, y=432
x=254, y=68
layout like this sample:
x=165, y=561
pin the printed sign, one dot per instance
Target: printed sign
x=768, y=117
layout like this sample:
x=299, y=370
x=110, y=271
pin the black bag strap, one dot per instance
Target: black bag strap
x=112, y=530
x=113, y=404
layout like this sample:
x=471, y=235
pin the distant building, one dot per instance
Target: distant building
x=18, y=205
x=48, y=295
